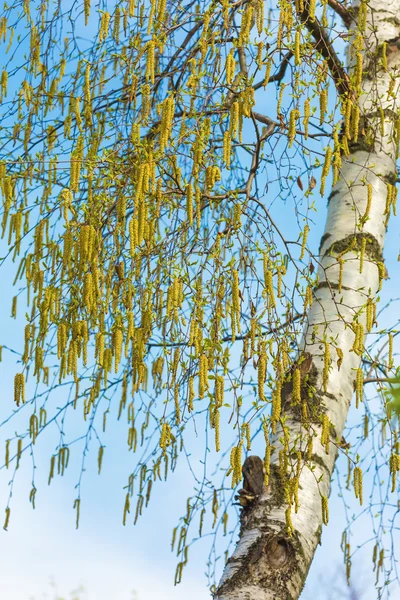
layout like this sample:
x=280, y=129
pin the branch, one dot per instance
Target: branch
x=378, y=380
x=280, y=74
x=341, y=11
x=228, y=338
x=324, y=46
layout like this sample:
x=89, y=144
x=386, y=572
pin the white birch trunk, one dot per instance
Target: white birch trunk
x=268, y=564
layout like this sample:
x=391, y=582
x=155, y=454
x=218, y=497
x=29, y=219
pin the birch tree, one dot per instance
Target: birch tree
x=280, y=535
x=161, y=166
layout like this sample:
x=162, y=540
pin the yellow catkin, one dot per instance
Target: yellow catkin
x=33, y=428
x=19, y=388
x=7, y=456
x=347, y=109
x=358, y=344
x=288, y=519
x=77, y=507
x=127, y=506
x=234, y=120
x=359, y=386
x=117, y=25
x=355, y=119
x=14, y=307
x=87, y=295
x=304, y=240
x=267, y=72
x=306, y=117
x=390, y=351
x=167, y=114
x=150, y=62
x=362, y=16
x=394, y=467
x=381, y=273
x=27, y=338
x=87, y=96
x=230, y=67
x=177, y=406
x=246, y=24
x=269, y=287
x=323, y=104
x=247, y=432
x=227, y=149
x=325, y=511
x=267, y=464
x=86, y=10
x=3, y=84
x=327, y=362
x=165, y=438
x=260, y=48
x=308, y=298
x=358, y=71
x=276, y=404
x=325, y=169
x=309, y=449
x=369, y=310
x=7, y=518
x=262, y=371
x=236, y=296
x=117, y=347
x=297, y=386
x=189, y=204
x=294, y=115
x=260, y=16
x=297, y=57
x=366, y=426
x=382, y=121
x=236, y=464
x=104, y=25
x=237, y=216
x=340, y=278
x=219, y=391
x=384, y=55
x=365, y=217
x=311, y=9
x=217, y=430
x=191, y=393
x=358, y=484
x=394, y=201
x=325, y=433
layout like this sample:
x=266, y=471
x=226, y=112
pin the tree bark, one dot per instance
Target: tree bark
x=269, y=563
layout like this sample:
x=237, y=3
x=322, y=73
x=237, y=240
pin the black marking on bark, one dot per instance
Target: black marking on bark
x=363, y=144
x=329, y=395
x=390, y=178
x=374, y=114
x=325, y=237
x=332, y=195
x=373, y=250
x=328, y=284
x=318, y=460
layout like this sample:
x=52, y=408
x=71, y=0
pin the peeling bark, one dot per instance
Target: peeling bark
x=268, y=563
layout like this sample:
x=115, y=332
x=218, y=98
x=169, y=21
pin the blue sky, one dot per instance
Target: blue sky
x=110, y=560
